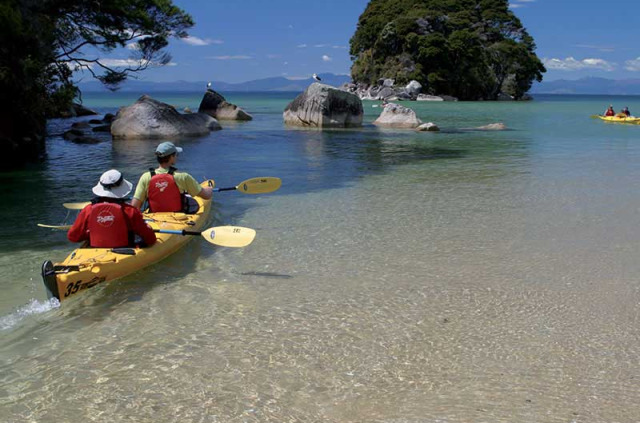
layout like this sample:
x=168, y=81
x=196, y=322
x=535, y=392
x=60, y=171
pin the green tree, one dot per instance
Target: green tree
x=42, y=42
x=471, y=49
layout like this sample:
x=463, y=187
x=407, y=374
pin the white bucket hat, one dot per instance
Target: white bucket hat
x=112, y=185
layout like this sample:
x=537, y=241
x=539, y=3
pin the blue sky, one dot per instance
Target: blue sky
x=236, y=41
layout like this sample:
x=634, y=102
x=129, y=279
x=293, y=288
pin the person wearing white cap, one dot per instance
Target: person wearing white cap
x=164, y=187
x=108, y=222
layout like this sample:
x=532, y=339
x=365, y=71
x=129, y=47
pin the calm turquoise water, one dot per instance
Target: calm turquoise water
x=396, y=277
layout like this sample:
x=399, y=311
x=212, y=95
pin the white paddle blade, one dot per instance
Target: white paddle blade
x=75, y=206
x=229, y=236
x=261, y=185
x=61, y=227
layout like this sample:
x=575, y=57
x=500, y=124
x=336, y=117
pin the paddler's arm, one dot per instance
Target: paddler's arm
x=139, y=227
x=194, y=189
x=141, y=191
x=80, y=229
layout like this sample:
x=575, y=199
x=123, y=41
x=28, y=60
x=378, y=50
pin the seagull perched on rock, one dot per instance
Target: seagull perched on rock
x=208, y=85
x=316, y=77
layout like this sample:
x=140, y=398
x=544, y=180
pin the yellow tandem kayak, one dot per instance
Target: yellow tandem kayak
x=630, y=119
x=87, y=267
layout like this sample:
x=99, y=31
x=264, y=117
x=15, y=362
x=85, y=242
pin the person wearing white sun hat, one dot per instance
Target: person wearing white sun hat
x=164, y=187
x=109, y=222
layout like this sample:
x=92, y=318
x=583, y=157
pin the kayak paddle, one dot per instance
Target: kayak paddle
x=75, y=206
x=61, y=227
x=225, y=236
x=261, y=185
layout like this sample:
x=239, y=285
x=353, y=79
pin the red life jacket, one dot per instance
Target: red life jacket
x=108, y=226
x=164, y=194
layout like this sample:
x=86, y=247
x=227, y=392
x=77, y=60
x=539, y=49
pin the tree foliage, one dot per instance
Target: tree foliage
x=471, y=49
x=42, y=42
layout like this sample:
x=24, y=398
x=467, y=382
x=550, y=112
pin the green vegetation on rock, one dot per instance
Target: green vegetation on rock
x=470, y=49
x=43, y=41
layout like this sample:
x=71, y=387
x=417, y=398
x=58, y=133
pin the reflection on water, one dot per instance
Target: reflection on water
x=396, y=277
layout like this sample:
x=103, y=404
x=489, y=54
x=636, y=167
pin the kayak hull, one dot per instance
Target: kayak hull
x=631, y=119
x=87, y=267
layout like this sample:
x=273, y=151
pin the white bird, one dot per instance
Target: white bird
x=316, y=77
x=208, y=84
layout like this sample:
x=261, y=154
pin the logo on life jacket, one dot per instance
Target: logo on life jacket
x=162, y=185
x=105, y=218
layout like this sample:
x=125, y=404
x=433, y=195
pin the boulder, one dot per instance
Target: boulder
x=396, y=116
x=493, y=127
x=102, y=128
x=323, y=106
x=81, y=125
x=413, y=88
x=386, y=82
x=151, y=119
x=504, y=97
x=429, y=126
x=80, y=110
x=216, y=106
x=386, y=92
x=448, y=98
x=425, y=97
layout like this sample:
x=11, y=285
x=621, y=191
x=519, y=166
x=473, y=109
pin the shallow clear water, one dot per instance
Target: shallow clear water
x=396, y=277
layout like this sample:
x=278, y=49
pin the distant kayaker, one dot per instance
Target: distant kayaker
x=164, y=187
x=109, y=222
x=626, y=111
x=610, y=111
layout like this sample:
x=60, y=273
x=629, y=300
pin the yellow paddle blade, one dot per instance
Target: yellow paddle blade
x=229, y=236
x=260, y=185
x=61, y=227
x=75, y=206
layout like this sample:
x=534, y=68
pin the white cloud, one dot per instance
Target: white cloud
x=326, y=58
x=514, y=4
x=571, y=64
x=132, y=46
x=195, y=41
x=237, y=57
x=339, y=47
x=633, y=65
x=302, y=45
x=130, y=63
x=320, y=45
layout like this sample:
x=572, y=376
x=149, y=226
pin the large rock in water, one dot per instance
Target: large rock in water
x=323, y=106
x=216, y=106
x=152, y=119
x=397, y=116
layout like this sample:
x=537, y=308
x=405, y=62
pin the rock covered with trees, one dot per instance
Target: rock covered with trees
x=468, y=49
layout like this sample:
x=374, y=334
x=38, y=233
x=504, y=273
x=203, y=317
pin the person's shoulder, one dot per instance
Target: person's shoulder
x=129, y=209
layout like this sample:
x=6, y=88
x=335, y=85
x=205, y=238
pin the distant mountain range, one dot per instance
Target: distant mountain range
x=562, y=86
x=588, y=86
x=277, y=83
